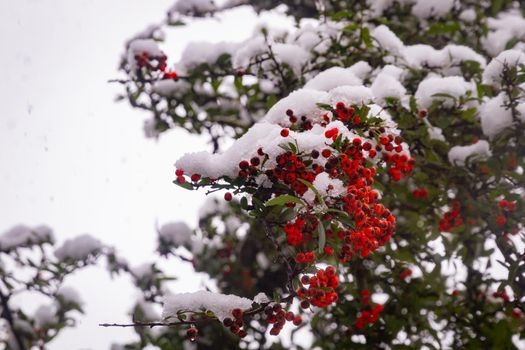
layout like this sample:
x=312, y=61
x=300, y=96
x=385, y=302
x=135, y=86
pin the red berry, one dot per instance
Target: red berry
x=228, y=196
x=181, y=179
x=285, y=132
x=237, y=313
x=179, y=172
x=195, y=177
x=297, y=320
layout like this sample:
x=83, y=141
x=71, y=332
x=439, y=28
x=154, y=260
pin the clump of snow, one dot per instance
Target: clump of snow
x=79, y=248
x=451, y=87
x=188, y=7
x=302, y=102
x=387, y=84
x=266, y=133
x=220, y=304
x=458, y=155
x=261, y=298
x=331, y=78
x=468, y=15
x=434, y=132
x=361, y=69
x=387, y=40
x=143, y=271
x=24, y=236
x=176, y=233
x=45, y=315
x=292, y=55
x=350, y=95
x=432, y=8
x=211, y=206
x=418, y=56
x=249, y=49
x=505, y=27
x=200, y=52
x=495, y=116
x=69, y=295
x=326, y=186
x=171, y=88
x=494, y=70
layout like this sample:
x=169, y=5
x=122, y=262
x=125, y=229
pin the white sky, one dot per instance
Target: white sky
x=77, y=161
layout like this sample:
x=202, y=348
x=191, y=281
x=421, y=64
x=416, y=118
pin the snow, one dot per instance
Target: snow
x=387, y=84
x=387, y=40
x=143, y=271
x=266, y=134
x=261, y=298
x=502, y=29
x=79, y=248
x=496, y=41
x=458, y=155
x=248, y=50
x=24, y=236
x=351, y=95
x=220, y=304
x=211, y=206
x=468, y=15
x=302, y=102
x=322, y=183
x=331, y=78
x=293, y=55
x=177, y=233
x=45, y=315
x=434, y=132
x=432, y=8
x=69, y=295
x=361, y=69
x=188, y=7
x=494, y=116
x=201, y=52
x=494, y=70
x=171, y=88
x=453, y=86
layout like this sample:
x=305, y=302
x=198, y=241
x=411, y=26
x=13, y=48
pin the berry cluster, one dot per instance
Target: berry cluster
x=321, y=288
x=277, y=317
x=151, y=62
x=506, y=208
x=368, y=317
x=405, y=274
x=420, y=193
x=236, y=323
x=451, y=219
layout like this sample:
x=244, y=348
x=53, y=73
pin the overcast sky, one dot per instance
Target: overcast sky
x=74, y=159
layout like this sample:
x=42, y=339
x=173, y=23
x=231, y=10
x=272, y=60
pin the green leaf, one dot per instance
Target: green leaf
x=283, y=199
x=365, y=36
x=186, y=185
x=325, y=106
x=322, y=237
x=244, y=203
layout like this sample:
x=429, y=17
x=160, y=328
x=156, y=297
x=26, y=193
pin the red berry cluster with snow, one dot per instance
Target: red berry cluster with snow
x=316, y=163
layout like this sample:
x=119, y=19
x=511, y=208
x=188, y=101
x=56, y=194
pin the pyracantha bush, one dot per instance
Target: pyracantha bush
x=377, y=142
x=372, y=196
